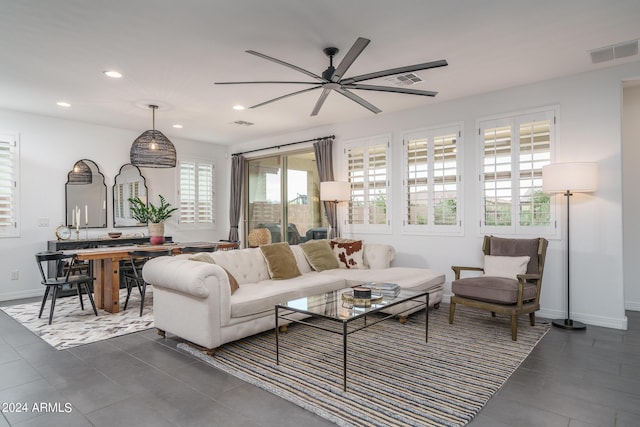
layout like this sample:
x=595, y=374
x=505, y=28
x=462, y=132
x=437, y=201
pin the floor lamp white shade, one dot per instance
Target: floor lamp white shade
x=569, y=178
x=575, y=177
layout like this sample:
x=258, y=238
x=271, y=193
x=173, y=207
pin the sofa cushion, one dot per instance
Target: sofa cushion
x=280, y=261
x=505, y=266
x=301, y=259
x=378, y=255
x=406, y=277
x=319, y=254
x=348, y=253
x=205, y=257
x=492, y=289
x=262, y=297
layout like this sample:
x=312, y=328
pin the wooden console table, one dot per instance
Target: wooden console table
x=106, y=268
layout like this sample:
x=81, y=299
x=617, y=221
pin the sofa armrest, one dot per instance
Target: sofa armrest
x=180, y=274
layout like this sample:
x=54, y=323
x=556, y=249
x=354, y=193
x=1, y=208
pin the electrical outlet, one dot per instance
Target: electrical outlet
x=15, y=275
x=43, y=222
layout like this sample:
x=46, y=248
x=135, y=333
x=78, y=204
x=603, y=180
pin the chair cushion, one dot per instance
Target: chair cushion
x=505, y=266
x=492, y=289
x=517, y=247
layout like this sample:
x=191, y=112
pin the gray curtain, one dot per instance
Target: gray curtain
x=324, y=159
x=235, y=205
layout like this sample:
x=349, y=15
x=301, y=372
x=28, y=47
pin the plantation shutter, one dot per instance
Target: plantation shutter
x=8, y=186
x=196, y=193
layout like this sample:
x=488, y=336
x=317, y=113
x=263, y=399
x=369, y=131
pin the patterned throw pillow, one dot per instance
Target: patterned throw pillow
x=348, y=252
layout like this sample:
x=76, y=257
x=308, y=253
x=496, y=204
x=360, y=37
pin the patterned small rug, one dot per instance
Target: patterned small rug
x=394, y=378
x=72, y=326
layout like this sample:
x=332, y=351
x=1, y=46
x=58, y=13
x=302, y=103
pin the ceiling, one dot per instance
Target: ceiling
x=171, y=52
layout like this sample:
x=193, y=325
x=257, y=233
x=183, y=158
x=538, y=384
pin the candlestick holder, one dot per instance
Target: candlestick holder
x=86, y=230
x=77, y=233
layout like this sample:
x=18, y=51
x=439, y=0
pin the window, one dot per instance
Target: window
x=431, y=180
x=9, y=186
x=368, y=168
x=196, y=192
x=514, y=150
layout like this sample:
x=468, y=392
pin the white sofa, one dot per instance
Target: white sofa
x=192, y=299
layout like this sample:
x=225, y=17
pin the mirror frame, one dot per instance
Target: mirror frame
x=95, y=169
x=113, y=194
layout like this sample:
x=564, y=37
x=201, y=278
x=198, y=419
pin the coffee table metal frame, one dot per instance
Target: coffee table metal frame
x=288, y=309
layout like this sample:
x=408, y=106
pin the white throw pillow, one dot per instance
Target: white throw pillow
x=505, y=266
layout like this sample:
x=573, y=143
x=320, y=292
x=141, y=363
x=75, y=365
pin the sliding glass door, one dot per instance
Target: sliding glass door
x=284, y=190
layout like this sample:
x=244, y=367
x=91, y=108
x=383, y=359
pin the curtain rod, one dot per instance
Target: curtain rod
x=284, y=145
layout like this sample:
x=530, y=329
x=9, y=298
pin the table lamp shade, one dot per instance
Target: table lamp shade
x=576, y=177
x=335, y=191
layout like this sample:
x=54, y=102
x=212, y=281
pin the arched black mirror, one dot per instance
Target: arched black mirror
x=128, y=183
x=86, y=196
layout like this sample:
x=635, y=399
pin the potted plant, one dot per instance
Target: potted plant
x=154, y=216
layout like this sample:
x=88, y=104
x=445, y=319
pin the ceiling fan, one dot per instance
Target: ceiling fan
x=332, y=78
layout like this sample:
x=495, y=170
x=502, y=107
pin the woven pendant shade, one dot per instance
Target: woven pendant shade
x=80, y=174
x=152, y=149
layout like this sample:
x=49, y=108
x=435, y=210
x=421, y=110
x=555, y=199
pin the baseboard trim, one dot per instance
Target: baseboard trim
x=22, y=294
x=605, y=322
x=632, y=305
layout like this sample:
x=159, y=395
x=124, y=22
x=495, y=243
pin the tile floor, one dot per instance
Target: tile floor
x=571, y=379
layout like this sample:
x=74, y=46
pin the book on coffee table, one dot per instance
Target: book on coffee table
x=384, y=289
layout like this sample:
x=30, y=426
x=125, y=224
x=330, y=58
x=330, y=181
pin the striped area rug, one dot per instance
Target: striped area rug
x=72, y=326
x=394, y=378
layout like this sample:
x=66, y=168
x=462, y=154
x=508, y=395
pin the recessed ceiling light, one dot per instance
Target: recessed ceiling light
x=177, y=126
x=238, y=107
x=113, y=74
x=63, y=104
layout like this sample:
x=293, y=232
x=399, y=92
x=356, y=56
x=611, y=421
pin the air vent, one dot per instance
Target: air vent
x=609, y=53
x=243, y=123
x=405, y=79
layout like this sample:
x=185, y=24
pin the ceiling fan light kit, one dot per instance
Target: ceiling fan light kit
x=332, y=78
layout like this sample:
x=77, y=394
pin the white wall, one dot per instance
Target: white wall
x=48, y=149
x=588, y=130
x=631, y=204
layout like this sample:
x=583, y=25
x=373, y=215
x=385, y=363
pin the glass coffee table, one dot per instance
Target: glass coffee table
x=338, y=312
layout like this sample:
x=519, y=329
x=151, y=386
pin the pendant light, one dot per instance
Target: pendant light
x=152, y=149
x=80, y=174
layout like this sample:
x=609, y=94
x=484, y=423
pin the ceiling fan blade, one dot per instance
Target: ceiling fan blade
x=251, y=83
x=391, y=89
x=399, y=70
x=352, y=96
x=285, y=96
x=286, y=64
x=348, y=59
x=318, y=106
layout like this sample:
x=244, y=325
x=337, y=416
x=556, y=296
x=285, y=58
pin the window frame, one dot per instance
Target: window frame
x=366, y=143
x=515, y=120
x=12, y=141
x=196, y=225
x=429, y=133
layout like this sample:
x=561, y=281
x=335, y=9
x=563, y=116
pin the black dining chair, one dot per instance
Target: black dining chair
x=133, y=277
x=196, y=249
x=62, y=266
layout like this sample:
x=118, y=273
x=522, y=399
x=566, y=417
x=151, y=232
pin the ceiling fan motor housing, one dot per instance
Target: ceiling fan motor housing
x=330, y=52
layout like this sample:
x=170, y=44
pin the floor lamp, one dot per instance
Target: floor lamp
x=334, y=192
x=569, y=178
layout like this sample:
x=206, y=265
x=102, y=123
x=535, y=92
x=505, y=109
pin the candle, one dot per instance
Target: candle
x=78, y=218
x=86, y=214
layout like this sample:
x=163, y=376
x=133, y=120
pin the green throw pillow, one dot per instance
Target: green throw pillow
x=204, y=257
x=280, y=261
x=319, y=254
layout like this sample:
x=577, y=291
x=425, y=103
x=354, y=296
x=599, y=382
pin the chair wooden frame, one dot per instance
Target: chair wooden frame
x=137, y=259
x=512, y=310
